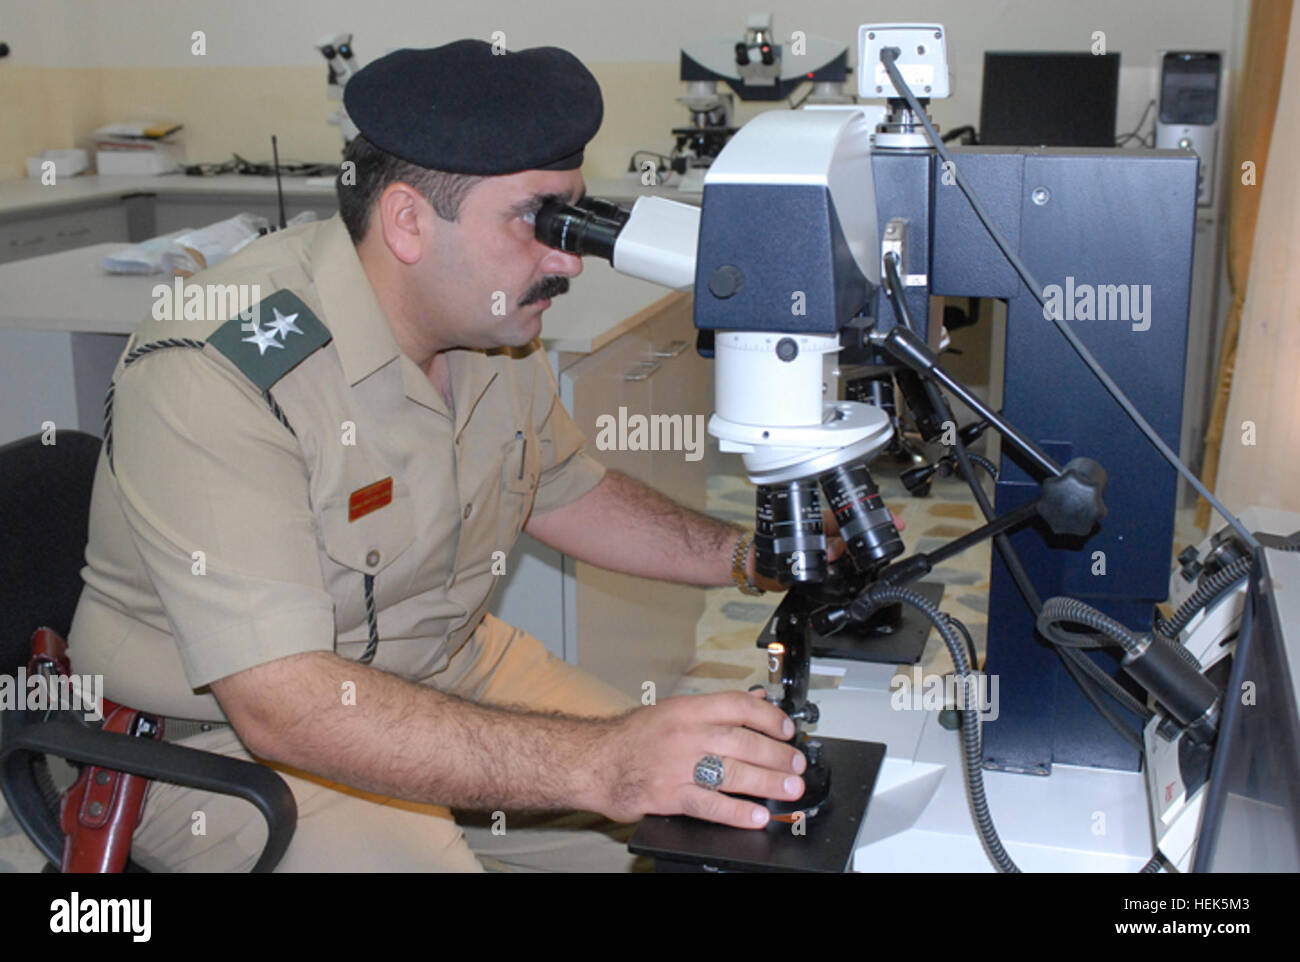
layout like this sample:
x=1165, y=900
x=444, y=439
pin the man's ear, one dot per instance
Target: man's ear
x=406, y=221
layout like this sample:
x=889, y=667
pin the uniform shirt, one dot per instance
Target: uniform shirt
x=223, y=537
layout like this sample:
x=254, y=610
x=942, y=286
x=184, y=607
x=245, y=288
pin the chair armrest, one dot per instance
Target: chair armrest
x=69, y=739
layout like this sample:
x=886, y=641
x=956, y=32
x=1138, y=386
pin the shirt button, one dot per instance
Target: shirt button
x=372, y=557
x=468, y=509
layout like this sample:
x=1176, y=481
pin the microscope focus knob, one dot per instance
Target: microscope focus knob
x=808, y=713
x=726, y=281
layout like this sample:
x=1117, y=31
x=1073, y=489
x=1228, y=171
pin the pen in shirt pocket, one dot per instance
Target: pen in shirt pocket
x=523, y=453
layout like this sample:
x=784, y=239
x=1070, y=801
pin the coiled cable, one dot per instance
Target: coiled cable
x=972, y=748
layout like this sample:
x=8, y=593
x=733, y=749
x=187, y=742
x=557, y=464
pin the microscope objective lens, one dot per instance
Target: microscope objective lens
x=865, y=523
x=789, y=541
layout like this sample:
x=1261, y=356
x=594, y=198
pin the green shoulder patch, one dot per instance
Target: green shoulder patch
x=271, y=338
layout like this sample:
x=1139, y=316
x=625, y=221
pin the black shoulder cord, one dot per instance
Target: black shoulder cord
x=130, y=359
x=372, y=621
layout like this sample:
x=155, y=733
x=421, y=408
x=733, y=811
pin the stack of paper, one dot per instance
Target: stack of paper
x=188, y=251
x=137, y=148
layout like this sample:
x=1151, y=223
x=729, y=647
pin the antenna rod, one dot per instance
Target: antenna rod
x=279, y=191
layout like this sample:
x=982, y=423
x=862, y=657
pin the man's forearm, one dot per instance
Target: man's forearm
x=407, y=741
x=624, y=526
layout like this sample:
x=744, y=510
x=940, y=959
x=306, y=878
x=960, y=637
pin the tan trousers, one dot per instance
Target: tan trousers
x=346, y=830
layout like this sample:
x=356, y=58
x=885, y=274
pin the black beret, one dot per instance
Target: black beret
x=462, y=108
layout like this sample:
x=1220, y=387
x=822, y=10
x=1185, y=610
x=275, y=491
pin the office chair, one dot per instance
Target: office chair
x=44, y=516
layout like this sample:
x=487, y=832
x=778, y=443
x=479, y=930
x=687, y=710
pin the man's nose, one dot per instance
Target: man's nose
x=561, y=262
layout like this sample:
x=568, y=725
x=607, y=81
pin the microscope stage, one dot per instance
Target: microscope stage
x=824, y=843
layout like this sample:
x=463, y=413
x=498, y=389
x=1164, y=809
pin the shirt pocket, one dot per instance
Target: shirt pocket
x=519, y=474
x=368, y=540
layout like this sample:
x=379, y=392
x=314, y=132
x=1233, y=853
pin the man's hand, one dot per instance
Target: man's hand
x=651, y=754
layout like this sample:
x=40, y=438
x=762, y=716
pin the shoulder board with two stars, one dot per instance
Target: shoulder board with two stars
x=271, y=338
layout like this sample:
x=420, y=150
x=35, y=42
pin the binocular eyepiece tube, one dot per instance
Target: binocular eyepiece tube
x=589, y=229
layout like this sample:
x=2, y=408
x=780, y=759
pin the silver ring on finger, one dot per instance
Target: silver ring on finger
x=709, y=772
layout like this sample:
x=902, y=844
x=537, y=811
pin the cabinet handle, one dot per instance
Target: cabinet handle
x=674, y=348
x=642, y=369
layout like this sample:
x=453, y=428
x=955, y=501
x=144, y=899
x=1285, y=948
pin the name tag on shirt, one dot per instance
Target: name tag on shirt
x=370, y=498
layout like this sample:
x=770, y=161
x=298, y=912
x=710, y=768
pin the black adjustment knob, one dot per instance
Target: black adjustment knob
x=787, y=349
x=4, y=49
x=808, y=713
x=917, y=480
x=742, y=55
x=1073, y=503
x=726, y=281
x=1190, y=562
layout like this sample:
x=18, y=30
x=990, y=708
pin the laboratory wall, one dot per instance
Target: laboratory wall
x=238, y=71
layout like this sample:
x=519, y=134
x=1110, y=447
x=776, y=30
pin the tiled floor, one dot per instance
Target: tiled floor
x=726, y=656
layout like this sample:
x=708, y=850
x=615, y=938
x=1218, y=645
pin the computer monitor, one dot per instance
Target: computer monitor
x=1251, y=821
x=1049, y=99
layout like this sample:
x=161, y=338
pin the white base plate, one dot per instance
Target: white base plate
x=1075, y=820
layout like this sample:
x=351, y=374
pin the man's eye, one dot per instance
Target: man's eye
x=530, y=216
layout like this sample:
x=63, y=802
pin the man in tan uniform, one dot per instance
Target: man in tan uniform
x=297, y=509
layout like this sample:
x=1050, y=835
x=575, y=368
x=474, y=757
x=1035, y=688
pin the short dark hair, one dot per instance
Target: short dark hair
x=374, y=169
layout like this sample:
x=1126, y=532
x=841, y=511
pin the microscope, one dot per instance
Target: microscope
x=776, y=373
x=821, y=238
x=756, y=67
x=338, y=53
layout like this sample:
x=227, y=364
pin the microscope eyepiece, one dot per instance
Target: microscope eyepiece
x=590, y=229
x=606, y=209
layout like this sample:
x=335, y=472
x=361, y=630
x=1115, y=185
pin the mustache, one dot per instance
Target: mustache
x=546, y=287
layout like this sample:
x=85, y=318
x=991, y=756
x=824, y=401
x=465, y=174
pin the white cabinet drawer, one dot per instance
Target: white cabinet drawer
x=63, y=229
